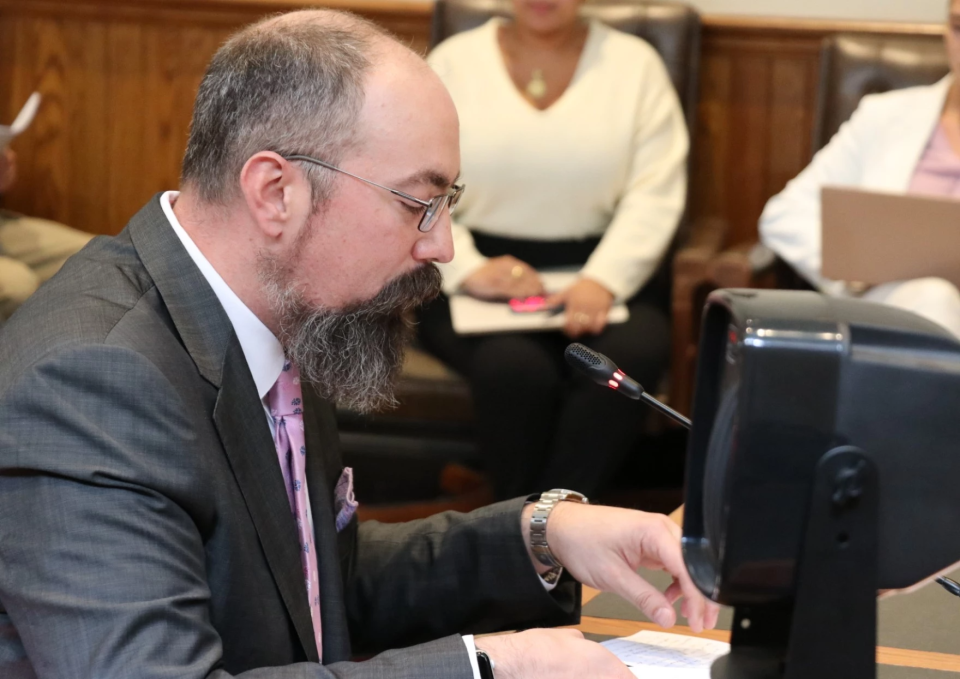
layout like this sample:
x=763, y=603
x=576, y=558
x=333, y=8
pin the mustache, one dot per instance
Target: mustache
x=403, y=294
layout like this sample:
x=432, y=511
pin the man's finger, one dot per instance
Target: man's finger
x=669, y=555
x=673, y=592
x=648, y=599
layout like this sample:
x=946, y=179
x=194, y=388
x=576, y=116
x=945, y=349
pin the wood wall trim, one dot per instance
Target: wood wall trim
x=206, y=12
x=778, y=27
x=228, y=10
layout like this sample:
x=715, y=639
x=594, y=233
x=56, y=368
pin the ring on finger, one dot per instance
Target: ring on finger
x=516, y=271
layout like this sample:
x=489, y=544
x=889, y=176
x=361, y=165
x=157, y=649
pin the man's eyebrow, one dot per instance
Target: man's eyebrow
x=431, y=178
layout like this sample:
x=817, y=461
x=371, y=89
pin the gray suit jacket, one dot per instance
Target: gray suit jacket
x=144, y=525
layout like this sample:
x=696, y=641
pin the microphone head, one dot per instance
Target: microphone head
x=591, y=363
x=601, y=370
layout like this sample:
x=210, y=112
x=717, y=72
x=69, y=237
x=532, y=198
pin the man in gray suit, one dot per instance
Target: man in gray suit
x=172, y=498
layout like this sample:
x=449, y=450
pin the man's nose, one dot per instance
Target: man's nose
x=437, y=244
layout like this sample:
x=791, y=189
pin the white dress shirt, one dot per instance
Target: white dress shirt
x=261, y=348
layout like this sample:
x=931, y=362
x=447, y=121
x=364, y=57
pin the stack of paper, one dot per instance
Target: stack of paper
x=661, y=655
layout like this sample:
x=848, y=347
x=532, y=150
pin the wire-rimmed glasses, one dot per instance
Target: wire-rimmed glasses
x=431, y=208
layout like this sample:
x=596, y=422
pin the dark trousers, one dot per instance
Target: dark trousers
x=539, y=426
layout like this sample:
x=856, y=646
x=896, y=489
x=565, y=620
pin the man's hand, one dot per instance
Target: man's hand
x=503, y=278
x=603, y=547
x=587, y=305
x=556, y=654
x=8, y=170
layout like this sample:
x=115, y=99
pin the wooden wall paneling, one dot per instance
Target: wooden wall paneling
x=711, y=146
x=48, y=158
x=119, y=78
x=86, y=98
x=757, y=98
x=793, y=96
x=176, y=61
x=127, y=163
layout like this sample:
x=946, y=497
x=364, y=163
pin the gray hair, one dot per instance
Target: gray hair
x=288, y=84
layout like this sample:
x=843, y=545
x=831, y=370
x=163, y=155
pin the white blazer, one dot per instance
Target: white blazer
x=878, y=149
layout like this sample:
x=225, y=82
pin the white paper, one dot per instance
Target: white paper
x=661, y=655
x=473, y=316
x=21, y=122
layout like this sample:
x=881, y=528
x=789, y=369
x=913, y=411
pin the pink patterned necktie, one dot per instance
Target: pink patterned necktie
x=285, y=401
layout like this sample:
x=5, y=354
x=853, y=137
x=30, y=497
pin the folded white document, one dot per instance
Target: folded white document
x=22, y=121
x=661, y=655
x=471, y=316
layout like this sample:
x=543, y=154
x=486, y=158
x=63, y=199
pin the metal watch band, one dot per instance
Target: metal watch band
x=538, y=523
x=485, y=663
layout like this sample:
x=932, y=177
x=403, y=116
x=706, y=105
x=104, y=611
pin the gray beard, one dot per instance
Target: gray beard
x=352, y=356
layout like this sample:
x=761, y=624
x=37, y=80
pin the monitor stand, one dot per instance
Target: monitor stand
x=829, y=629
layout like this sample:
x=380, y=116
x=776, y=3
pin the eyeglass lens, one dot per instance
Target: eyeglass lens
x=436, y=207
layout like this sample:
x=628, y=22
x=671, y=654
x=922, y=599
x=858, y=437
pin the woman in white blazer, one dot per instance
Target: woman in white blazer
x=882, y=147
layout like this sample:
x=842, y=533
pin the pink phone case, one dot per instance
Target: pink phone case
x=528, y=304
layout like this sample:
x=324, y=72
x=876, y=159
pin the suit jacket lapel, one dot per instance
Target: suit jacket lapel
x=242, y=425
x=209, y=337
x=322, y=474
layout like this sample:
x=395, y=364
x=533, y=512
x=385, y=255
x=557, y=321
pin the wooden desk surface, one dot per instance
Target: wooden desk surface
x=885, y=655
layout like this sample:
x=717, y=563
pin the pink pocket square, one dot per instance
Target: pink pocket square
x=344, y=502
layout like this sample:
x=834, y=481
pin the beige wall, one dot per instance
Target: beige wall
x=865, y=10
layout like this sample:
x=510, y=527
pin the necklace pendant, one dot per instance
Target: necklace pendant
x=537, y=87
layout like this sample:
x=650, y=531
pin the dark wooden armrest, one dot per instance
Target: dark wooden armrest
x=691, y=282
x=707, y=236
x=747, y=265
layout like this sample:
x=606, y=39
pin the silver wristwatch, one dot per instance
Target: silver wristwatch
x=538, y=523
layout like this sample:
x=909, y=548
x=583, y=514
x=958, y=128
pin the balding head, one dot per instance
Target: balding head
x=337, y=250
x=293, y=83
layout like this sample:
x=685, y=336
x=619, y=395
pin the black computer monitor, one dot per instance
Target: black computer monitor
x=822, y=465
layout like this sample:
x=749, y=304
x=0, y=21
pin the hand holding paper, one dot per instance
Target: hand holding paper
x=22, y=121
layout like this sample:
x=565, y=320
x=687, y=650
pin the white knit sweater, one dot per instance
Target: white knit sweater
x=607, y=159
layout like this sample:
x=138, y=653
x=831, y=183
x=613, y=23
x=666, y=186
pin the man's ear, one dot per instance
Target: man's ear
x=272, y=188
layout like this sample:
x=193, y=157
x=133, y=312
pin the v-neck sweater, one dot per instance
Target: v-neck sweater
x=607, y=159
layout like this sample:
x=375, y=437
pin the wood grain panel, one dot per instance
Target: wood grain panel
x=758, y=94
x=119, y=78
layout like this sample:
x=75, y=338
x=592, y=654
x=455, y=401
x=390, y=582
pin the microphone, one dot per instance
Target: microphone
x=605, y=372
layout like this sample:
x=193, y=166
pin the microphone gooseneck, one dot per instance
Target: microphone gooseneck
x=605, y=372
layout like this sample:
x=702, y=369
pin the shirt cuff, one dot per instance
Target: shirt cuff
x=472, y=652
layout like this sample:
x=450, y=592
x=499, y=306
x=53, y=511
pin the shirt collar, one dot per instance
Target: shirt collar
x=261, y=348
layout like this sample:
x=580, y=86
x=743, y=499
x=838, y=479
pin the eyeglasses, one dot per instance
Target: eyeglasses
x=431, y=208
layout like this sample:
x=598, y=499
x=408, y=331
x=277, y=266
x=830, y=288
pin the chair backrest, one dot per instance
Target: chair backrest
x=853, y=66
x=673, y=29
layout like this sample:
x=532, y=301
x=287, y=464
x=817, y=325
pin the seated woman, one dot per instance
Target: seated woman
x=31, y=249
x=574, y=153
x=905, y=141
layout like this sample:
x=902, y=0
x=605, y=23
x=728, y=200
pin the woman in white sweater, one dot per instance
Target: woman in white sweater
x=574, y=150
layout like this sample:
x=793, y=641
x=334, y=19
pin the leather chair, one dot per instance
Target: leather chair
x=852, y=66
x=434, y=418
